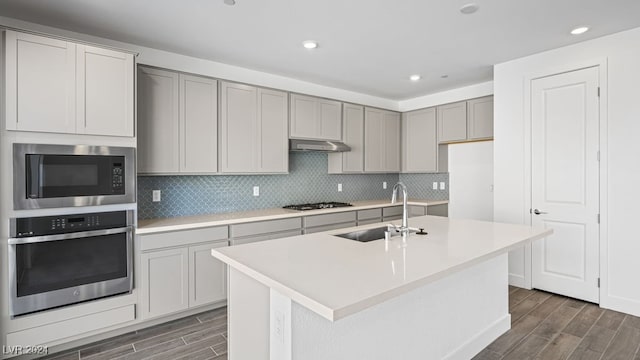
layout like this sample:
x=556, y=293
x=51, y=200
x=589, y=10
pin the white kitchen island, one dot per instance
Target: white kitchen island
x=438, y=296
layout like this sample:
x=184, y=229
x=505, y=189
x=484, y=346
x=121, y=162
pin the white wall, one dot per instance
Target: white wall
x=218, y=70
x=620, y=150
x=471, y=180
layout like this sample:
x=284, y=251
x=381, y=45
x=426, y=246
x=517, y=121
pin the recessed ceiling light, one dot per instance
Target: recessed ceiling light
x=444, y=76
x=310, y=44
x=415, y=77
x=230, y=2
x=579, y=30
x=469, y=8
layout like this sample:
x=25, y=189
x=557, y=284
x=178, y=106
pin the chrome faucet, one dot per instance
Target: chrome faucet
x=404, y=229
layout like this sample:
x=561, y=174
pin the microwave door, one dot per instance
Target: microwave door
x=33, y=174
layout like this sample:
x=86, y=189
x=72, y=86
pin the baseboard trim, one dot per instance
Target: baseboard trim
x=477, y=343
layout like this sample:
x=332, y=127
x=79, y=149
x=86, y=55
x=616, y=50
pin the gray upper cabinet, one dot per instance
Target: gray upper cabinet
x=381, y=140
x=480, y=118
x=198, y=124
x=158, y=148
x=452, y=122
x=253, y=129
x=177, y=123
x=466, y=120
x=419, y=141
x=353, y=135
x=58, y=86
x=315, y=118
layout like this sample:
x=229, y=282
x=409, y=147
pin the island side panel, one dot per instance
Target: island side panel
x=248, y=317
x=452, y=318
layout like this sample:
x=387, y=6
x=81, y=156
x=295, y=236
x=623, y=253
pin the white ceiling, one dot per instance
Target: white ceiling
x=367, y=46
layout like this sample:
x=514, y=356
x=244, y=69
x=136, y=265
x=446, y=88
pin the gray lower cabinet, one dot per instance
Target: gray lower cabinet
x=419, y=141
x=253, y=129
x=325, y=222
x=264, y=230
x=177, y=271
x=417, y=210
x=369, y=216
x=381, y=140
x=438, y=210
x=391, y=213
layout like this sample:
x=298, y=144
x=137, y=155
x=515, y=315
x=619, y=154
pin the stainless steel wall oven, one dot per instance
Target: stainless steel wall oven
x=62, y=260
x=52, y=176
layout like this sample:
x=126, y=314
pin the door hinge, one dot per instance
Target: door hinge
x=530, y=211
x=598, y=91
x=598, y=155
x=598, y=218
x=598, y=282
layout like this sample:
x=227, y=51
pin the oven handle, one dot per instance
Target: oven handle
x=76, y=235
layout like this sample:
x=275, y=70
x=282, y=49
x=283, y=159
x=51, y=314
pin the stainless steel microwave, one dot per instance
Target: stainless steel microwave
x=53, y=176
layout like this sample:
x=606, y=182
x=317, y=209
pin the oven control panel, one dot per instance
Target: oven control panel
x=61, y=224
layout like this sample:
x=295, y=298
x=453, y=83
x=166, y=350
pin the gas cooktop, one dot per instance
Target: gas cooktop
x=315, y=206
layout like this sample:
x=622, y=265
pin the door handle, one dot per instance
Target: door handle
x=538, y=212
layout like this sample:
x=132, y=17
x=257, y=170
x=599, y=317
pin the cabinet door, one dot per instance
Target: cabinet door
x=391, y=141
x=238, y=138
x=273, y=153
x=207, y=275
x=330, y=119
x=104, y=91
x=419, y=141
x=40, y=83
x=416, y=210
x=315, y=118
x=165, y=281
x=373, y=140
x=198, y=121
x=158, y=150
x=353, y=132
x=480, y=118
x=304, y=113
x=452, y=122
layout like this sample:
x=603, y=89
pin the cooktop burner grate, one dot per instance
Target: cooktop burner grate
x=315, y=206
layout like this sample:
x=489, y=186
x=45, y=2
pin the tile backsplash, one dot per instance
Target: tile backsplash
x=307, y=181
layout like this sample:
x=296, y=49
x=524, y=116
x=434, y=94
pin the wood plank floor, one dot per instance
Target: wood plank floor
x=544, y=326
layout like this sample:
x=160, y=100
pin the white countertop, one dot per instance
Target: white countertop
x=336, y=277
x=151, y=226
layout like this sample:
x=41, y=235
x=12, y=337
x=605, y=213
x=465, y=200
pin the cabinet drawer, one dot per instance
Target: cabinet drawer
x=53, y=332
x=328, y=219
x=369, y=214
x=329, y=227
x=182, y=237
x=391, y=218
x=264, y=227
x=416, y=210
x=263, y=237
x=392, y=211
x=368, y=221
x=438, y=210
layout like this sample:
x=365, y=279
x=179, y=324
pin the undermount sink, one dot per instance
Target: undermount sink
x=369, y=234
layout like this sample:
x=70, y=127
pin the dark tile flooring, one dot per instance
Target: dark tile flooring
x=544, y=326
x=201, y=336
x=549, y=327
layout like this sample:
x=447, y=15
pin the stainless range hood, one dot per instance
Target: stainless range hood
x=317, y=145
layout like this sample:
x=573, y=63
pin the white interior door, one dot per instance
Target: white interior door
x=565, y=181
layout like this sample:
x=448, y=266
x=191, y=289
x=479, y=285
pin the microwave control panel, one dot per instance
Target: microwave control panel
x=117, y=178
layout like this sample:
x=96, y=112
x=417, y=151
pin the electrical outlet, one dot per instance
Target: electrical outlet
x=256, y=191
x=435, y=185
x=339, y=187
x=384, y=184
x=157, y=195
x=441, y=185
